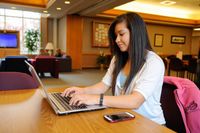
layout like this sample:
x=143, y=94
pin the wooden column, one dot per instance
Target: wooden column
x=74, y=40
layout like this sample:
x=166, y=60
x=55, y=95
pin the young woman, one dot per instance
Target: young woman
x=135, y=74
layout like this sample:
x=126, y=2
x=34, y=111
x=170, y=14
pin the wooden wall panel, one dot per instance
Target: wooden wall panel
x=9, y=52
x=89, y=60
x=74, y=40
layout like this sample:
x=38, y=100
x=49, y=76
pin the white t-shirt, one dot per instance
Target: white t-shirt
x=148, y=81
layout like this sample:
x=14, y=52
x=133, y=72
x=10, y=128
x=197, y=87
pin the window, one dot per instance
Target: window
x=27, y=14
x=1, y=11
x=17, y=25
x=20, y=21
x=1, y=22
x=14, y=13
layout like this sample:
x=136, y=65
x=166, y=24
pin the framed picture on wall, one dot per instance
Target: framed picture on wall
x=178, y=39
x=100, y=34
x=158, y=40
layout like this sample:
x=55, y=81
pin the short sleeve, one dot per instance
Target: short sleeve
x=107, y=79
x=151, y=77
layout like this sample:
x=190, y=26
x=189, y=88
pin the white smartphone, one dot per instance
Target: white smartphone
x=117, y=117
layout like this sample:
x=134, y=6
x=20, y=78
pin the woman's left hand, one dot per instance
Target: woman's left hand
x=88, y=99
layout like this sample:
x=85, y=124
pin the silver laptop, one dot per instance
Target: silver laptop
x=61, y=104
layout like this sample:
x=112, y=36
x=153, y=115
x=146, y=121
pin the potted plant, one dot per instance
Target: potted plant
x=32, y=38
x=101, y=60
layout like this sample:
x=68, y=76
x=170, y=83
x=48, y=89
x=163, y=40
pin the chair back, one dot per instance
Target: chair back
x=192, y=66
x=171, y=111
x=177, y=65
x=16, y=64
x=187, y=57
x=47, y=64
x=16, y=80
x=192, y=69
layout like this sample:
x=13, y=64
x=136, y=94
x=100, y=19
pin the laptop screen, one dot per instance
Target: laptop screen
x=36, y=77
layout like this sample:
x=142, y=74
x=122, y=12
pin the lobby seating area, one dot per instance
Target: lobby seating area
x=71, y=43
x=42, y=64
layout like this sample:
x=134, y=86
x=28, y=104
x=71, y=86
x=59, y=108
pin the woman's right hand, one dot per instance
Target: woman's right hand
x=72, y=90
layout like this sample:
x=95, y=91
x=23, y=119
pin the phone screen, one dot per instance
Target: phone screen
x=119, y=117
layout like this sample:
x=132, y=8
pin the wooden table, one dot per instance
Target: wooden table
x=26, y=111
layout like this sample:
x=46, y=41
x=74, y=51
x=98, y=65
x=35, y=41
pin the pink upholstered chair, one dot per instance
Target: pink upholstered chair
x=44, y=64
x=16, y=80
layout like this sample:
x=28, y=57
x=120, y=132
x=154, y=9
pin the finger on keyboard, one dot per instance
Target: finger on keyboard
x=70, y=93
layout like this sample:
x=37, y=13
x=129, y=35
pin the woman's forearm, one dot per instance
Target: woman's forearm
x=132, y=101
x=96, y=89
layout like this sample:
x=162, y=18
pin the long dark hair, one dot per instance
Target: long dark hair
x=139, y=44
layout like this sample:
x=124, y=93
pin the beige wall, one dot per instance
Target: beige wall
x=167, y=31
x=53, y=32
x=44, y=33
x=62, y=34
x=195, y=42
x=50, y=30
x=90, y=53
x=152, y=29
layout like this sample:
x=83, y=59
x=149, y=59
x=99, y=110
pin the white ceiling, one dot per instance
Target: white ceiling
x=92, y=7
x=188, y=9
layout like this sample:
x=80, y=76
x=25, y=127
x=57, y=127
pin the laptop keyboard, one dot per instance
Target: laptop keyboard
x=64, y=102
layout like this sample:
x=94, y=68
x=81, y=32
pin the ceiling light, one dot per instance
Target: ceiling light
x=67, y=2
x=45, y=11
x=45, y=15
x=196, y=29
x=167, y=2
x=58, y=8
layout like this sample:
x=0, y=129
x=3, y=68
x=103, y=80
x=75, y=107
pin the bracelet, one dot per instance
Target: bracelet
x=101, y=99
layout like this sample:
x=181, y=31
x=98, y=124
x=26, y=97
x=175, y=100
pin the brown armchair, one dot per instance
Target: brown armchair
x=43, y=64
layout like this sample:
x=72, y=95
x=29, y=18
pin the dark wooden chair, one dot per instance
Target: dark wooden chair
x=192, y=69
x=187, y=57
x=178, y=66
x=171, y=111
